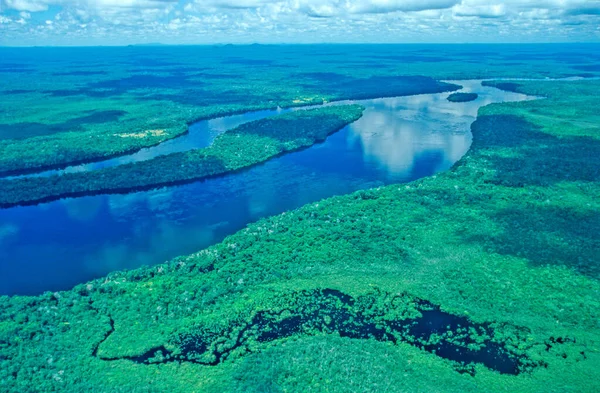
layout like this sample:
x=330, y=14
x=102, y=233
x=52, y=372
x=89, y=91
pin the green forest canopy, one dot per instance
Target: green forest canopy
x=507, y=240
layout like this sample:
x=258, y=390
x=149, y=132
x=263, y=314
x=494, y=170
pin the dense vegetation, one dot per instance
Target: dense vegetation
x=338, y=295
x=462, y=97
x=65, y=106
x=71, y=118
x=246, y=145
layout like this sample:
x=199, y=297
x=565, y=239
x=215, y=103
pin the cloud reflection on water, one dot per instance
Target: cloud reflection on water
x=395, y=131
x=57, y=245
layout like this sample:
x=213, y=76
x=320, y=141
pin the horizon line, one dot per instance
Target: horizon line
x=157, y=44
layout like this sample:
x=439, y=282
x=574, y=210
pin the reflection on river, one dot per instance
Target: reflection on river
x=57, y=245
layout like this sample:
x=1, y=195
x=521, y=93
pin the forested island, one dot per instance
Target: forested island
x=462, y=97
x=246, y=145
x=104, y=118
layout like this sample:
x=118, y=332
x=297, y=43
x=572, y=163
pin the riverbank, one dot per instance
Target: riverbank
x=66, y=106
x=506, y=240
x=397, y=140
x=249, y=144
x=30, y=142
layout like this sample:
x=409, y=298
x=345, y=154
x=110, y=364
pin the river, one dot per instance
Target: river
x=54, y=246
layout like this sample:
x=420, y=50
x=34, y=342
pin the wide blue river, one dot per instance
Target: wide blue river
x=57, y=245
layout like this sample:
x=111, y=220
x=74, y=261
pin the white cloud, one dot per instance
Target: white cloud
x=239, y=4
x=129, y=3
x=43, y=5
x=382, y=6
x=27, y=5
x=481, y=11
x=304, y=20
x=318, y=8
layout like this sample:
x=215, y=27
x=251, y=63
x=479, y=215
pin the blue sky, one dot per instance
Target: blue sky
x=119, y=22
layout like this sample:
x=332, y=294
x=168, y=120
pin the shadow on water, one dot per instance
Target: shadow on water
x=332, y=312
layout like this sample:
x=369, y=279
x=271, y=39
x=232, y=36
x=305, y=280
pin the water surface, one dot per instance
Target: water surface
x=54, y=246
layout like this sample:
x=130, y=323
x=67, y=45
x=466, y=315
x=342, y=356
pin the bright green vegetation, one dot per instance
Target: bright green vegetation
x=324, y=298
x=462, y=97
x=246, y=145
x=66, y=106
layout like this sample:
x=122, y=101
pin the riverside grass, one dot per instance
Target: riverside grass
x=507, y=239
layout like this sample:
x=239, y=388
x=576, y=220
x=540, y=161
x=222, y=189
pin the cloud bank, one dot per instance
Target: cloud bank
x=83, y=22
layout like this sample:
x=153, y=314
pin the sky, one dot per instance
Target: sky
x=122, y=22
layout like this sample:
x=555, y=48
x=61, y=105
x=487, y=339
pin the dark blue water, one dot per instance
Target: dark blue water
x=57, y=245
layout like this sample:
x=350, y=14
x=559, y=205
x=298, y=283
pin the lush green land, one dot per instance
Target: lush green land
x=326, y=298
x=462, y=97
x=61, y=106
x=73, y=118
x=110, y=133
x=246, y=145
